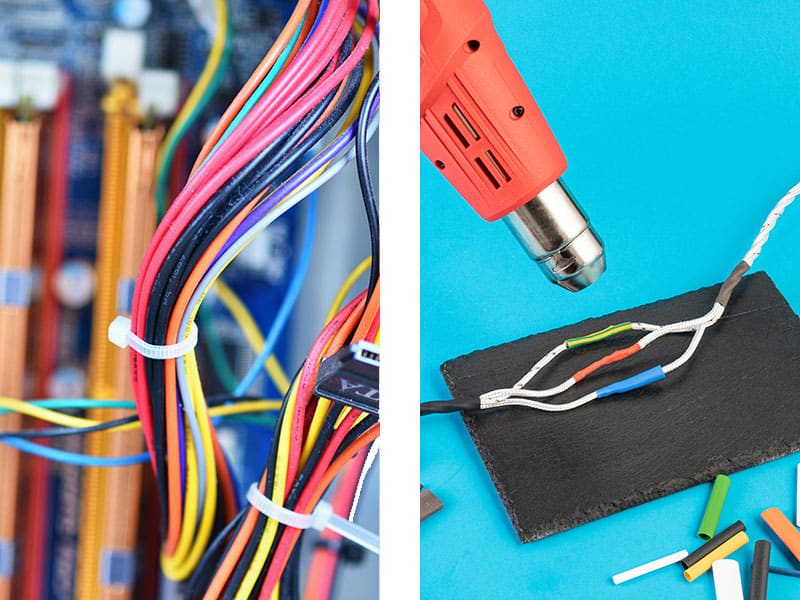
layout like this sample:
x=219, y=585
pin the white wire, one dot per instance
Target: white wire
x=545, y=406
x=773, y=217
x=684, y=358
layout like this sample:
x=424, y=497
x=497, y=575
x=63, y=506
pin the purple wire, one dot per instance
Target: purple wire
x=182, y=449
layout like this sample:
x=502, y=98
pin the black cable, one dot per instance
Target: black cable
x=443, y=406
x=365, y=181
x=204, y=572
x=290, y=581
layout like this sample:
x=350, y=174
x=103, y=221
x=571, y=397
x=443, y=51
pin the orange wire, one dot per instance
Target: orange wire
x=308, y=24
x=341, y=336
x=233, y=554
x=254, y=81
x=369, y=313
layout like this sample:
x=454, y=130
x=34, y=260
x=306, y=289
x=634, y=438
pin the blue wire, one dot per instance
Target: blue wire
x=72, y=458
x=289, y=300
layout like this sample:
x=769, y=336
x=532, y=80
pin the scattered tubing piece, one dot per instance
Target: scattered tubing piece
x=784, y=571
x=646, y=568
x=783, y=528
x=723, y=551
x=712, y=544
x=708, y=525
x=727, y=580
x=797, y=502
x=758, y=580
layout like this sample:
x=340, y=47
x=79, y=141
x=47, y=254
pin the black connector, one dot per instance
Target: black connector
x=351, y=377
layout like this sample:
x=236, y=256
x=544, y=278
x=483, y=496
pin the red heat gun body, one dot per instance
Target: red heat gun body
x=482, y=129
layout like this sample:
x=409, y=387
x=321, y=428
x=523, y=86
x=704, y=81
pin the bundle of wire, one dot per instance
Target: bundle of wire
x=517, y=395
x=253, y=168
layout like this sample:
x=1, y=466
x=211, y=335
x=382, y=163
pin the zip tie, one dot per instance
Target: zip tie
x=120, y=334
x=727, y=580
x=321, y=518
x=646, y=568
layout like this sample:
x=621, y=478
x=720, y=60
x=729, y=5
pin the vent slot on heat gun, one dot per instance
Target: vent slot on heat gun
x=489, y=175
x=463, y=135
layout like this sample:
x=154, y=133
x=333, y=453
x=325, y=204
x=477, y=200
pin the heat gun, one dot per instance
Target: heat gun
x=482, y=129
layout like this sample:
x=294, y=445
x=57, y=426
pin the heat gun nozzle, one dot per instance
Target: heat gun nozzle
x=557, y=235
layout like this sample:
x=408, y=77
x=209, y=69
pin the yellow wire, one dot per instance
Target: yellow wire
x=59, y=418
x=45, y=414
x=181, y=565
x=348, y=284
x=211, y=66
x=278, y=496
x=255, y=338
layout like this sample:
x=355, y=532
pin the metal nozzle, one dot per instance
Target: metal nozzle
x=557, y=235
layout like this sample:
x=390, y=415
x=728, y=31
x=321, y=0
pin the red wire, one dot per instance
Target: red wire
x=322, y=570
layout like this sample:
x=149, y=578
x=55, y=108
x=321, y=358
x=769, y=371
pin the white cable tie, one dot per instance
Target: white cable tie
x=323, y=517
x=120, y=334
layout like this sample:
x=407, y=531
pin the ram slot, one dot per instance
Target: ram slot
x=119, y=106
x=123, y=485
x=17, y=206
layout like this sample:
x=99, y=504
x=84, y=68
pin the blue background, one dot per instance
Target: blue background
x=680, y=124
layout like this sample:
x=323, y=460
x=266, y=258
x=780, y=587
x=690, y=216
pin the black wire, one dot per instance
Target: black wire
x=290, y=581
x=365, y=181
x=54, y=432
x=209, y=563
x=439, y=407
